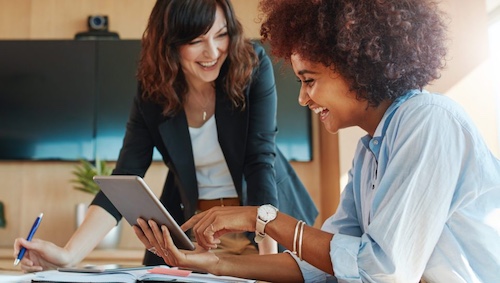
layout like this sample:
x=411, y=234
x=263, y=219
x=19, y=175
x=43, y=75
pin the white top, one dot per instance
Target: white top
x=212, y=173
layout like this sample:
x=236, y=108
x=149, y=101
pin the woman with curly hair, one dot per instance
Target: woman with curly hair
x=423, y=196
x=207, y=101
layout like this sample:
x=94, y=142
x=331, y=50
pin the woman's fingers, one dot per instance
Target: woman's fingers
x=156, y=232
x=215, y=222
x=171, y=254
x=149, y=240
x=160, y=247
x=208, y=240
x=40, y=255
x=205, y=231
x=152, y=236
x=140, y=234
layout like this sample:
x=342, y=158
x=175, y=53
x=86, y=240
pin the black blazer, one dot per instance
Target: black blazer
x=259, y=170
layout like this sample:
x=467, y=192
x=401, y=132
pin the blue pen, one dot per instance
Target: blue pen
x=30, y=236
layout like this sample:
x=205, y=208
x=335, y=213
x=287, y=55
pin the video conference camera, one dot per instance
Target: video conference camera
x=97, y=23
x=98, y=29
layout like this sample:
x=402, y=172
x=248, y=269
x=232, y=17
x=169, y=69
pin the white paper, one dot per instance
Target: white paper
x=131, y=275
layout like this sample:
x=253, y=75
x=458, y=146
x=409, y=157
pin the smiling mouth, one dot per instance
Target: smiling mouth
x=322, y=111
x=208, y=64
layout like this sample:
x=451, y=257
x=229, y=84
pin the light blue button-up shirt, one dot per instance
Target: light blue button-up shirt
x=422, y=201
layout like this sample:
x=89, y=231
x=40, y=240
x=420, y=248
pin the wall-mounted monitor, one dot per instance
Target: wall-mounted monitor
x=294, y=121
x=70, y=99
x=47, y=100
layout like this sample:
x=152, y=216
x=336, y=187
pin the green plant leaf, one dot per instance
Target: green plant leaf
x=84, y=173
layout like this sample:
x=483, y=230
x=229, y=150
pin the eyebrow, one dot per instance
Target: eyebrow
x=303, y=72
x=217, y=32
x=222, y=28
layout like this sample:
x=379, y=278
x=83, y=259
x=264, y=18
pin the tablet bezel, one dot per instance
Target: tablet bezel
x=134, y=199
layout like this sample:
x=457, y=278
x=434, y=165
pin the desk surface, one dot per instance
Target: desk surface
x=96, y=257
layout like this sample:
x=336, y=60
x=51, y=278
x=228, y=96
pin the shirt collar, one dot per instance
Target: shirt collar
x=373, y=143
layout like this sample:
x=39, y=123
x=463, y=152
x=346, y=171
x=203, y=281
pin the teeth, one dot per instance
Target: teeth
x=208, y=64
x=319, y=110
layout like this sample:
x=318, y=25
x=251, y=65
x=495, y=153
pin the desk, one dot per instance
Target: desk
x=96, y=257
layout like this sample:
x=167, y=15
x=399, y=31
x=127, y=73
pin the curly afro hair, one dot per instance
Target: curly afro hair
x=382, y=47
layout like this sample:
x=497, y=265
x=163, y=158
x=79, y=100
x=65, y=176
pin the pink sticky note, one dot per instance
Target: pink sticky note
x=170, y=271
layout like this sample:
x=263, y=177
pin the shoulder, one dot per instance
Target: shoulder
x=264, y=65
x=433, y=102
x=261, y=53
x=435, y=108
x=258, y=49
x=145, y=107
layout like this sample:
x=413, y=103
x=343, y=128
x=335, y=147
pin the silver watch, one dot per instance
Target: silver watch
x=265, y=214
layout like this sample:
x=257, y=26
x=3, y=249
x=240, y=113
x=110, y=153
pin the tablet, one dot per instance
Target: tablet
x=134, y=199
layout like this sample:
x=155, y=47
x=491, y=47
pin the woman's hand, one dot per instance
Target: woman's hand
x=209, y=225
x=40, y=255
x=159, y=241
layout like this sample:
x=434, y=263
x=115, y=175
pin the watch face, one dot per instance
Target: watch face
x=267, y=212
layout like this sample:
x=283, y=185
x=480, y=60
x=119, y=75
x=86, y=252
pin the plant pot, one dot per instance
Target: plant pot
x=111, y=240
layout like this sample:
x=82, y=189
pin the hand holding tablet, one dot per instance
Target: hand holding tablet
x=134, y=199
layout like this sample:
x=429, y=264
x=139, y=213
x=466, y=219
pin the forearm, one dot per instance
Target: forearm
x=315, y=243
x=271, y=268
x=97, y=223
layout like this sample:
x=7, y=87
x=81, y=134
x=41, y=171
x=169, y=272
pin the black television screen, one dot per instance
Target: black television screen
x=117, y=85
x=116, y=65
x=294, y=121
x=70, y=99
x=46, y=100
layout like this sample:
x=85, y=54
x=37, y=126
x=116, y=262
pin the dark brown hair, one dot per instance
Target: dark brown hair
x=173, y=23
x=382, y=47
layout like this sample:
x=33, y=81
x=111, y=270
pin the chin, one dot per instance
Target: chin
x=331, y=129
x=336, y=131
x=212, y=77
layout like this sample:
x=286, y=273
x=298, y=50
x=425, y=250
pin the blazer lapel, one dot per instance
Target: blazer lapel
x=175, y=135
x=232, y=134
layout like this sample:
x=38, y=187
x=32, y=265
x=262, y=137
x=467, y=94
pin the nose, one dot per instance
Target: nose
x=211, y=49
x=303, y=97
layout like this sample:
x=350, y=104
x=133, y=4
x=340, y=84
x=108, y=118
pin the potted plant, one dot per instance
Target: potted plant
x=84, y=173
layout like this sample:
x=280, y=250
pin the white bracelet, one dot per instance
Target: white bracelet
x=301, y=234
x=295, y=234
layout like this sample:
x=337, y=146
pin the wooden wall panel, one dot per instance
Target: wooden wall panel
x=15, y=19
x=62, y=19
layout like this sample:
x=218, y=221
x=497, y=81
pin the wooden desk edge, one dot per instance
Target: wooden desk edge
x=100, y=256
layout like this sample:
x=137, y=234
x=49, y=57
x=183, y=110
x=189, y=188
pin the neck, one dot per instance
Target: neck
x=374, y=116
x=200, y=88
x=201, y=100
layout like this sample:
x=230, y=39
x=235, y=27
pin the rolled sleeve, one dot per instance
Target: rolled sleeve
x=311, y=273
x=344, y=251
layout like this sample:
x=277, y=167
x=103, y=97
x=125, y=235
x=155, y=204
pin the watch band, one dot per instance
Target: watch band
x=265, y=214
x=259, y=230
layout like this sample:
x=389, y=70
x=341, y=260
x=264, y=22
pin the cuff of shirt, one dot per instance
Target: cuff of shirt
x=311, y=273
x=344, y=251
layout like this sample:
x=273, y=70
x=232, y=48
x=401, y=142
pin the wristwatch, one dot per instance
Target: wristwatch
x=265, y=214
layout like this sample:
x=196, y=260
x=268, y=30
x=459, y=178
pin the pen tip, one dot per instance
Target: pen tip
x=16, y=262
x=41, y=215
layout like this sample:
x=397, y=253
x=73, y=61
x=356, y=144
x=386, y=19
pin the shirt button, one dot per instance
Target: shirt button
x=375, y=142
